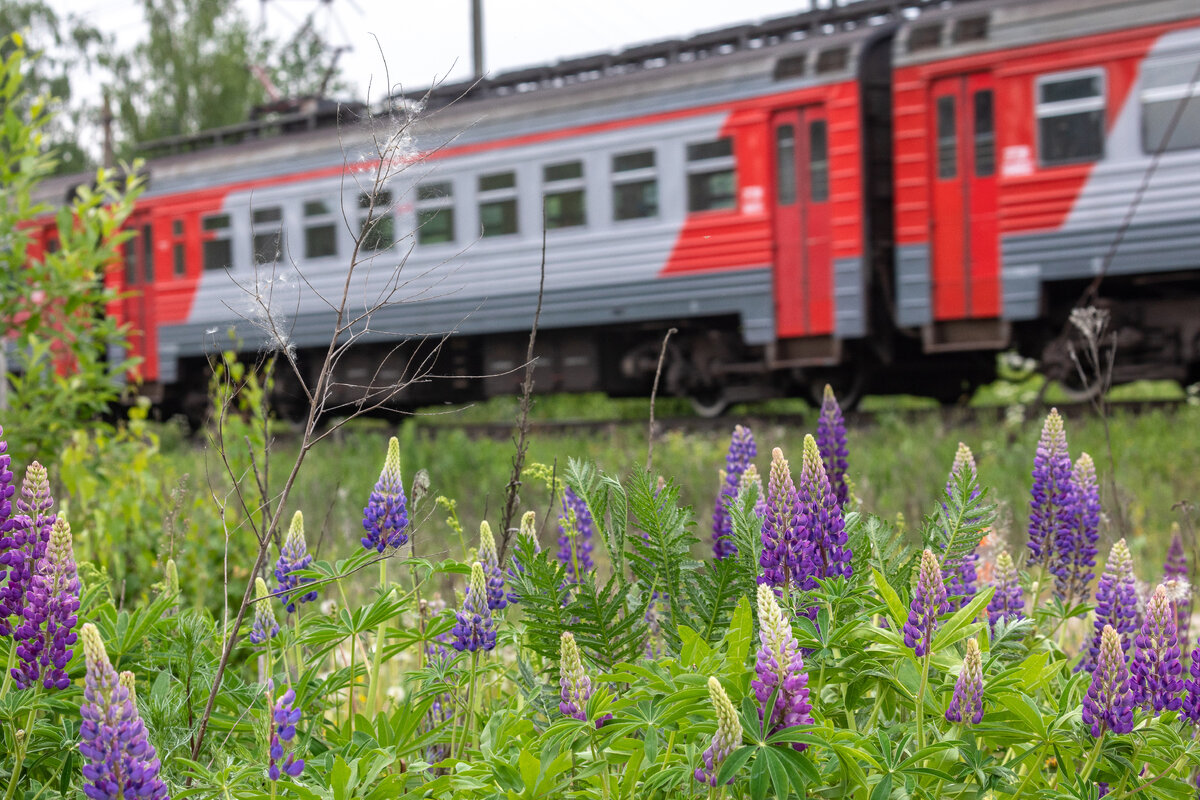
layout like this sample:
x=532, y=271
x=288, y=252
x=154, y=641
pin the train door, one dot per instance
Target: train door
x=139, y=288
x=803, y=246
x=964, y=224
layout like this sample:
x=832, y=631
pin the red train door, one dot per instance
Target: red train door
x=964, y=225
x=803, y=246
x=139, y=288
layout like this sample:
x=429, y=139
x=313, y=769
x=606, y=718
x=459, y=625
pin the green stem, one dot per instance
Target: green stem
x=22, y=748
x=1091, y=759
x=1034, y=769
x=350, y=711
x=12, y=661
x=921, y=701
x=468, y=730
x=377, y=658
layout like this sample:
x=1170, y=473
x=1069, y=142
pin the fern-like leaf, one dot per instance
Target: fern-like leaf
x=955, y=529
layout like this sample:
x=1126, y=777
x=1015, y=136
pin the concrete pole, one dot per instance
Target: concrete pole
x=477, y=38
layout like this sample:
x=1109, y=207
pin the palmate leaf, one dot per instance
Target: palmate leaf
x=954, y=530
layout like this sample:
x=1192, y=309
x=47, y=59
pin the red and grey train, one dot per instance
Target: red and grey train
x=881, y=195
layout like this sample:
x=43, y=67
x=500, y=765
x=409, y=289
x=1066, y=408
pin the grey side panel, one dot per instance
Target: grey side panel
x=914, y=287
x=849, y=296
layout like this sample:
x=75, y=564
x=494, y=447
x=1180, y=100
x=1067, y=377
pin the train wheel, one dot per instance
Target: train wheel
x=848, y=388
x=709, y=404
x=1080, y=390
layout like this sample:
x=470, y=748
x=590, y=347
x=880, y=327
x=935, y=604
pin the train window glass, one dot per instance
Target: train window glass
x=711, y=181
x=1070, y=116
x=970, y=29
x=791, y=66
x=635, y=185
x=925, y=37
x=947, y=137
x=1166, y=86
x=268, y=234
x=500, y=180
x=834, y=59
x=180, y=260
x=376, y=225
x=818, y=161
x=217, y=251
x=435, y=213
x=498, y=203
x=177, y=227
x=320, y=230
x=131, y=271
x=563, y=200
x=147, y=253
x=785, y=165
x=985, y=134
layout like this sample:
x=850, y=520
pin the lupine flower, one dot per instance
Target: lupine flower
x=283, y=731
x=574, y=684
x=491, y=568
x=1156, y=667
x=727, y=737
x=929, y=601
x=653, y=630
x=575, y=529
x=751, y=478
x=23, y=544
x=1176, y=568
x=527, y=533
x=784, y=555
x=1007, y=601
x=779, y=670
x=294, y=556
x=961, y=571
x=119, y=761
x=1076, y=545
x=1108, y=704
x=475, y=628
x=742, y=450
x=1116, y=601
x=831, y=441
x=385, y=517
x=265, y=627
x=1191, y=700
x=967, y=703
x=821, y=523
x=1050, y=501
x=171, y=585
x=47, y=632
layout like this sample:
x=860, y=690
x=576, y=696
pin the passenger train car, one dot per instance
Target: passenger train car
x=882, y=195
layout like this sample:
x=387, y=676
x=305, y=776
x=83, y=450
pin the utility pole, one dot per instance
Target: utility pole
x=477, y=38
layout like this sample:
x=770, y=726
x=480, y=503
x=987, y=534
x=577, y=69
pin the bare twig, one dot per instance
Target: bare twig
x=662, y=356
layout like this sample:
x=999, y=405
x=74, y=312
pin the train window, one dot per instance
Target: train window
x=635, y=186
x=148, y=253
x=376, y=225
x=1070, y=115
x=217, y=252
x=970, y=29
x=435, y=213
x=563, y=201
x=268, y=234
x=785, y=165
x=985, y=134
x=177, y=228
x=818, y=161
x=947, y=137
x=925, y=37
x=498, y=203
x=834, y=59
x=1170, y=105
x=711, y=181
x=131, y=272
x=320, y=230
x=180, y=260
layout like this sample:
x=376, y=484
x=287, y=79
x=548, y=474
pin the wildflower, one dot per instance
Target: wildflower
x=742, y=450
x=574, y=684
x=727, y=737
x=1156, y=666
x=967, y=703
x=928, y=602
x=265, y=627
x=821, y=523
x=23, y=540
x=961, y=571
x=784, y=555
x=575, y=528
x=528, y=534
x=385, y=517
x=831, y=441
x=1076, y=544
x=171, y=585
x=779, y=670
x=119, y=761
x=283, y=730
x=1050, y=502
x=1007, y=602
x=1176, y=568
x=1108, y=704
x=1191, y=699
x=47, y=632
x=491, y=567
x=751, y=478
x=294, y=556
x=1116, y=601
x=475, y=630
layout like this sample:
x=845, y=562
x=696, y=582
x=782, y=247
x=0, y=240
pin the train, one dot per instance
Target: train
x=879, y=195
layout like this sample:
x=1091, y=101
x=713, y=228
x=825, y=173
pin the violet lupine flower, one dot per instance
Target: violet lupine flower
x=779, y=670
x=475, y=628
x=1116, y=602
x=1007, y=601
x=1050, y=501
x=1176, y=568
x=929, y=601
x=496, y=599
x=967, y=703
x=1191, y=698
x=119, y=761
x=47, y=632
x=821, y=523
x=283, y=731
x=294, y=556
x=527, y=533
x=1076, y=546
x=1156, y=667
x=574, y=684
x=385, y=517
x=961, y=573
x=742, y=450
x=831, y=441
x=1108, y=704
x=575, y=529
x=23, y=544
x=784, y=554
x=265, y=627
x=727, y=737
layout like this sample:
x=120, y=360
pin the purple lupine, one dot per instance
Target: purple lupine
x=1050, y=496
x=960, y=572
x=1075, y=548
x=294, y=556
x=23, y=544
x=831, y=441
x=47, y=631
x=490, y=559
x=7, y=490
x=1157, y=670
x=1116, y=602
x=821, y=523
x=283, y=730
x=784, y=554
x=475, y=629
x=1108, y=704
x=1007, y=601
x=119, y=761
x=575, y=529
x=1191, y=699
x=527, y=533
x=575, y=687
x=385, y=517
x=264, y=626
x=726, y=738
x=1176, y=569
x=929, y=601
x=779, y=670
x=742, y=450
x=966, y=705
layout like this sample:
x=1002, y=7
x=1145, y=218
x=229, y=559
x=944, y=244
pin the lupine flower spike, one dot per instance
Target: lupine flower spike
x=1050, y=501
x=1108, y=704
x=742, y=451
x=171, y=584
x=929, y=601
x=1007, y=601
x=475, y=628
x=961, y=572
x=23, y=541
x=831, y=441
x=821, y=526
x=575, y=687
x=385, y=517
x=294, y=556
x=1076, y=547
x=46, y=633
x=527, y=533
x=779, y=670
x=283, y=731
x=575, y=530
x=490, y=559
x=265, y=627
x=1157, y=669
x=1116, y=602
x=1191, y=700
x=1176, y=569
x=119, y=761
x=727, y=737
x=967, y=703
x=783, y=555
x=751, y=478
